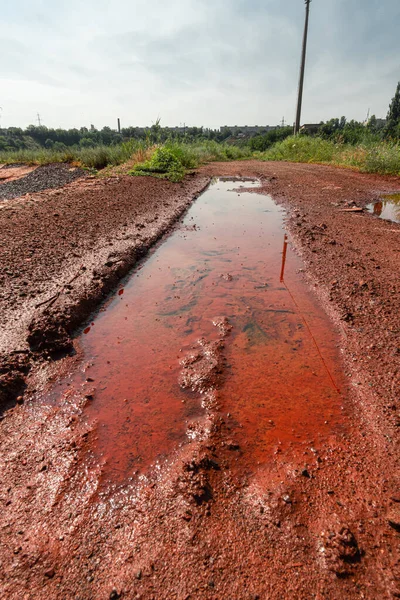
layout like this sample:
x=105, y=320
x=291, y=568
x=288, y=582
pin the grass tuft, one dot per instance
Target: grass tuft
x=172, y=160
x=164, y=164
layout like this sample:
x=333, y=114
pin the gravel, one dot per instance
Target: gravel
x=42, y=178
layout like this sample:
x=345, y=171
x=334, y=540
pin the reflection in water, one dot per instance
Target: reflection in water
x=388, y=208
x=285, y=243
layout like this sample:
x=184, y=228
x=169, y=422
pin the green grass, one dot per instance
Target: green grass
x=164, y=164
x=373, y=157
x=189, y=155
x=209, y=151
x=92, y=158
x=173, y=159
x=369, y=157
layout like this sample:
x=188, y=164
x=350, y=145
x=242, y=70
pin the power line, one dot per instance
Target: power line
x=302, y=69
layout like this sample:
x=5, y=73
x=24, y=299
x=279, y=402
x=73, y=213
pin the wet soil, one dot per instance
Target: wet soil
x=318, y=519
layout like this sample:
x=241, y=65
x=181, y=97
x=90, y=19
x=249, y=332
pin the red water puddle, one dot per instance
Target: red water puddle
x=224, y=260
x=388, y=208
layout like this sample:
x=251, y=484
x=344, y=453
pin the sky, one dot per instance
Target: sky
x=198, y=62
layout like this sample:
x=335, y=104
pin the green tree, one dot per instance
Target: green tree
x=86, y=142
x=393, y=116
x=372, y=124
x=59, y=146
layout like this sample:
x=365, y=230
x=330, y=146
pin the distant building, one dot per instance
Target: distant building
x=248, y=130
x=310, y=128
x=177, y=129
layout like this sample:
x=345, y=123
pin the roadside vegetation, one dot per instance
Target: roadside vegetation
x=92, y=158
x=371, y=147
x=368, y=157
x=125, y=156
x=173, y=159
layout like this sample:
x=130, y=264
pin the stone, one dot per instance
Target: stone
x=393, y=517
x=50, y=573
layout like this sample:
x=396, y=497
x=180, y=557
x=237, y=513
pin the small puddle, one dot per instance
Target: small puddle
x=387, y=208
x=282, y=362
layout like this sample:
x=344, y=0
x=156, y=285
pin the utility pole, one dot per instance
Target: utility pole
x=119, y=125
x=38, y=119
x=302, y=68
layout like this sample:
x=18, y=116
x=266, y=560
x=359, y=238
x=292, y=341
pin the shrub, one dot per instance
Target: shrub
x=261, y=143
x=302, y=149
x=164, y=164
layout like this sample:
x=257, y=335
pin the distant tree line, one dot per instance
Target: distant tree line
x=337, y=130
x=15, y=138
x=264, y=141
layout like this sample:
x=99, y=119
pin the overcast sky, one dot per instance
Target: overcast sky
x=202, y=62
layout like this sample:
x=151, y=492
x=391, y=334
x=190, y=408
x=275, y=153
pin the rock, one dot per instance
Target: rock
x=114, y=594
x=232, y=445
x=348, y=317
x=49, y=573
x=393, y=517
x=47, y=335
x=342, y=552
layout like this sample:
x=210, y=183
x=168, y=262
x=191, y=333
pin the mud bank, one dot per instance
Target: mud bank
x=64, y=250
x=204, y=526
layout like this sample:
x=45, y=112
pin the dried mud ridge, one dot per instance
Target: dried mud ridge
x=202, y=527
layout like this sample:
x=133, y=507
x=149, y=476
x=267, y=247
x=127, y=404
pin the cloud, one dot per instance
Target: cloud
x=209, y=62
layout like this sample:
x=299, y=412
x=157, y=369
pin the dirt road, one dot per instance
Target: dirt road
x=200, y=527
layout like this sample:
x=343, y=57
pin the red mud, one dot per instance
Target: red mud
x=318, y=517
x=13, y=172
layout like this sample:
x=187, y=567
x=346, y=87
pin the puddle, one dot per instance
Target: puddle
x=282, y=367
x=388, y=208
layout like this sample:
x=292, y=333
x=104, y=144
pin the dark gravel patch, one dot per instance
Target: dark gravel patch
x=43, y=178
x=12, y=165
